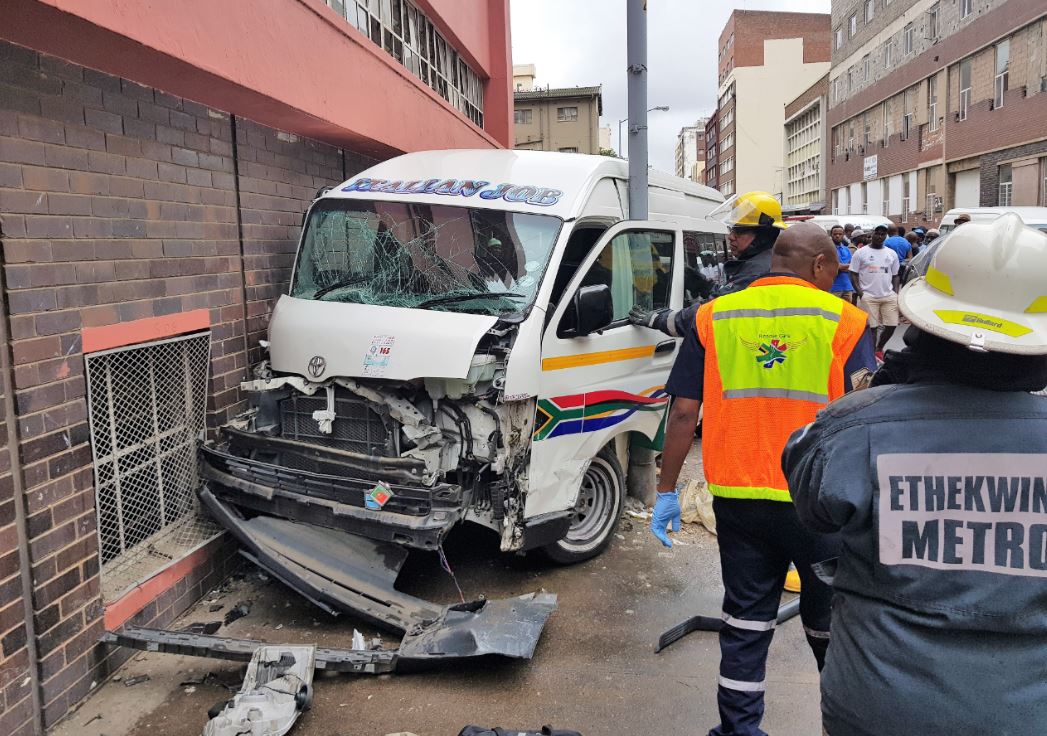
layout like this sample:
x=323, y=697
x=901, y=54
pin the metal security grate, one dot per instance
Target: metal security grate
x=147, y=405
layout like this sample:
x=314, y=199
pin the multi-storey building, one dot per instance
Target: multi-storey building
x=805, y=150
x=155, y=162
x=712, y=155
x=690, y=151
x=564, y=120
x=766, y=60
x=937, y=104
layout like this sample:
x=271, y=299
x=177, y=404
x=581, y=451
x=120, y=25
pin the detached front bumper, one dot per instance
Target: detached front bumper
x=329, y=488
x=341, y=572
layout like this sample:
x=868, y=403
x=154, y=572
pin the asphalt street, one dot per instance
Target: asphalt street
x=594, y=670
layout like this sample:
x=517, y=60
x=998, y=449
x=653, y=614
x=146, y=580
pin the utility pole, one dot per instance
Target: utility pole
x=640, y=479
x=636, y=61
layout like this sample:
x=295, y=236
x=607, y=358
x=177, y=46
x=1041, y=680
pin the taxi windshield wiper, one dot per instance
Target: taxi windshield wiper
x=347, y=281
x=452, y=298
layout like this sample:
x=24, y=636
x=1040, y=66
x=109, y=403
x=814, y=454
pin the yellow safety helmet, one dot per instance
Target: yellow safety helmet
x=752, y=209
x=985, y=288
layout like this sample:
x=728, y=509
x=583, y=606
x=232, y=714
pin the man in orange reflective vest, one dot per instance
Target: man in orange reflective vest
x=764, y=361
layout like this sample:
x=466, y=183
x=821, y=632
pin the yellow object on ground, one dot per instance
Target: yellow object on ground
x=792, y=580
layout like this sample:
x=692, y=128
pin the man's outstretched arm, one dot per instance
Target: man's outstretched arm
x=679, y=436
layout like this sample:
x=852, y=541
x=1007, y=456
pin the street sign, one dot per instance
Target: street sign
x=869, y=168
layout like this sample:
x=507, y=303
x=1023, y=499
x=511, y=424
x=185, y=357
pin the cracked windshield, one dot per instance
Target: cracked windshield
x=424, y=256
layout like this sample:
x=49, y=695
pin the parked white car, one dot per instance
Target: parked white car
x=1032, y=216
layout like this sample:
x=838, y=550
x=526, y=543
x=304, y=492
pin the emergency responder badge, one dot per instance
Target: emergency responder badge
x=378, y=497
x=772, y=351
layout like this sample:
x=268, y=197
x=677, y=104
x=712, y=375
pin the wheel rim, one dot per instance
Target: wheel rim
x=596, y=507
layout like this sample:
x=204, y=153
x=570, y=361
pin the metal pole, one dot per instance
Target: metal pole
x=620, y=148
x=636, y=58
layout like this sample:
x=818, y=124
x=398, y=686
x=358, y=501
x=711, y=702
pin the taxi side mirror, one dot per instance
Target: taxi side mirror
x=591, y=310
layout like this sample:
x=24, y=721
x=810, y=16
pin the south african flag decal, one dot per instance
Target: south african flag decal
x=593, y=411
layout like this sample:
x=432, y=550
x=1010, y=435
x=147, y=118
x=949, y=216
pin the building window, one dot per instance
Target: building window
x=1005, y=186
x=1003, y=59
x=888, y=48
x=839, y=38
x=865, y=198
x=870, y=10
x=853, y=24
x=932, y=103
x=908, y=113
x=146, y=406
x=567, y=114
x=726, y=142
x=407, y=34
x=909, y=34
x=866, y=130
x=933, y=20
x=965, y=8
x=570, y=149
x=886, y=125
x=905, y=197
x=866, y=66
x=965, y=88
x=1043, y=182
x=523, y=117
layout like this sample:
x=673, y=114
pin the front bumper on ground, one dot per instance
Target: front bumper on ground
x=341, y=572
x=328, y=488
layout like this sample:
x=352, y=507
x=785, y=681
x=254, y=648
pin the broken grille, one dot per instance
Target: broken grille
x=147, y=408
x=357, y=427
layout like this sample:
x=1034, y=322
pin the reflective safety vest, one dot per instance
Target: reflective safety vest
x=774, y=356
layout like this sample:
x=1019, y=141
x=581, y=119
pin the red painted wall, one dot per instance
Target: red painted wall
x=290, y=64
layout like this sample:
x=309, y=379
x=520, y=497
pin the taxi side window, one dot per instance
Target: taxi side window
x=637, y=266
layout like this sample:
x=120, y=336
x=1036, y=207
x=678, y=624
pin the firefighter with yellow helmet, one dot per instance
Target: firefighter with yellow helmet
x=937, y=478
x=754, y=219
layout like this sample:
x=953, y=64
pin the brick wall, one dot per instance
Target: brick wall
x=15, y=693
x=119, y=202
x=990, y=171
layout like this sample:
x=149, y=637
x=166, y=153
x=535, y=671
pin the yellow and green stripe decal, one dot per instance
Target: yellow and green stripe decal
x=604, y=356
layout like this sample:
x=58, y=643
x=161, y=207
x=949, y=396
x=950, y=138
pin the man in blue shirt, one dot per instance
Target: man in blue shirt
x=898, y=244
x=842, y=286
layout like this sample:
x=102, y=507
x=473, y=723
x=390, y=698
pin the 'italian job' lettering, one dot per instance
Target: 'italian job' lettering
x=964, y=512
x=539, y=196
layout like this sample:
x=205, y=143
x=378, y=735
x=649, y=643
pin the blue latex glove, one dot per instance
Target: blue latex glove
x=666, y=513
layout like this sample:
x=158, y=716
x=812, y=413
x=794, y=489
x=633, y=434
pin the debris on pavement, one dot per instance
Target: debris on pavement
x=240, y=610
x=278, y=687
x=135, y=680
x=635, y=509
x=202, y=627
x=696, y=505
x=215, y=607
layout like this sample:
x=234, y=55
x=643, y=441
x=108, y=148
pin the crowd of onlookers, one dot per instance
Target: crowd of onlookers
x=870, y=263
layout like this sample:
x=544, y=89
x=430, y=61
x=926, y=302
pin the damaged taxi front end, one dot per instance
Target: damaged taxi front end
x=380, y=418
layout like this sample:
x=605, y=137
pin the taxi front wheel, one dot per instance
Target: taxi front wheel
x=596, y=512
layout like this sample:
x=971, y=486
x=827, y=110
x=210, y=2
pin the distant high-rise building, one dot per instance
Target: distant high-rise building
x=936, y=104
x=605, y=138
x=712, y=157
x=804, y=173
x=766, y=60
x=690, y=151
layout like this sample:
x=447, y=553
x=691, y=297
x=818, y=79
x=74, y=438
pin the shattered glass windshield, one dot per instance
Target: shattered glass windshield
x=425, y=256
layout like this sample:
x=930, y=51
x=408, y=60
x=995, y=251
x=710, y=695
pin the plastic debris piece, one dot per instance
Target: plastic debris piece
x=137, y=679
x=238, y=611
x=358, y=640
x=203, y=627
x=277, y=688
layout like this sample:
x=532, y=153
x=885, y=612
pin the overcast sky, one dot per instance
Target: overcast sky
x=582, y=43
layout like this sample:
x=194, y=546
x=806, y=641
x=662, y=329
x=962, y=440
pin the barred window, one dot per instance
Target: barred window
x=407, y=34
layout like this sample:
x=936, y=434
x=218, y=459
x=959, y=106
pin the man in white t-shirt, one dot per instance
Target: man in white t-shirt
x=874, y=272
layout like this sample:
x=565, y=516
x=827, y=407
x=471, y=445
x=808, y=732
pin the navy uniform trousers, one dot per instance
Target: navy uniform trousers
x=758, y=539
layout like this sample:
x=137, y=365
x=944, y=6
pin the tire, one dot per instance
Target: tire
x=597, y=511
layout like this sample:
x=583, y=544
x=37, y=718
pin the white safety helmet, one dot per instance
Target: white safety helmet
x=986, y=288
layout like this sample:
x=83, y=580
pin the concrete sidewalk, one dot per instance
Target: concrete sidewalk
x=594, y=670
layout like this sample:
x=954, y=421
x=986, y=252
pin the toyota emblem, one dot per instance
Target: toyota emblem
x=316, y=366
